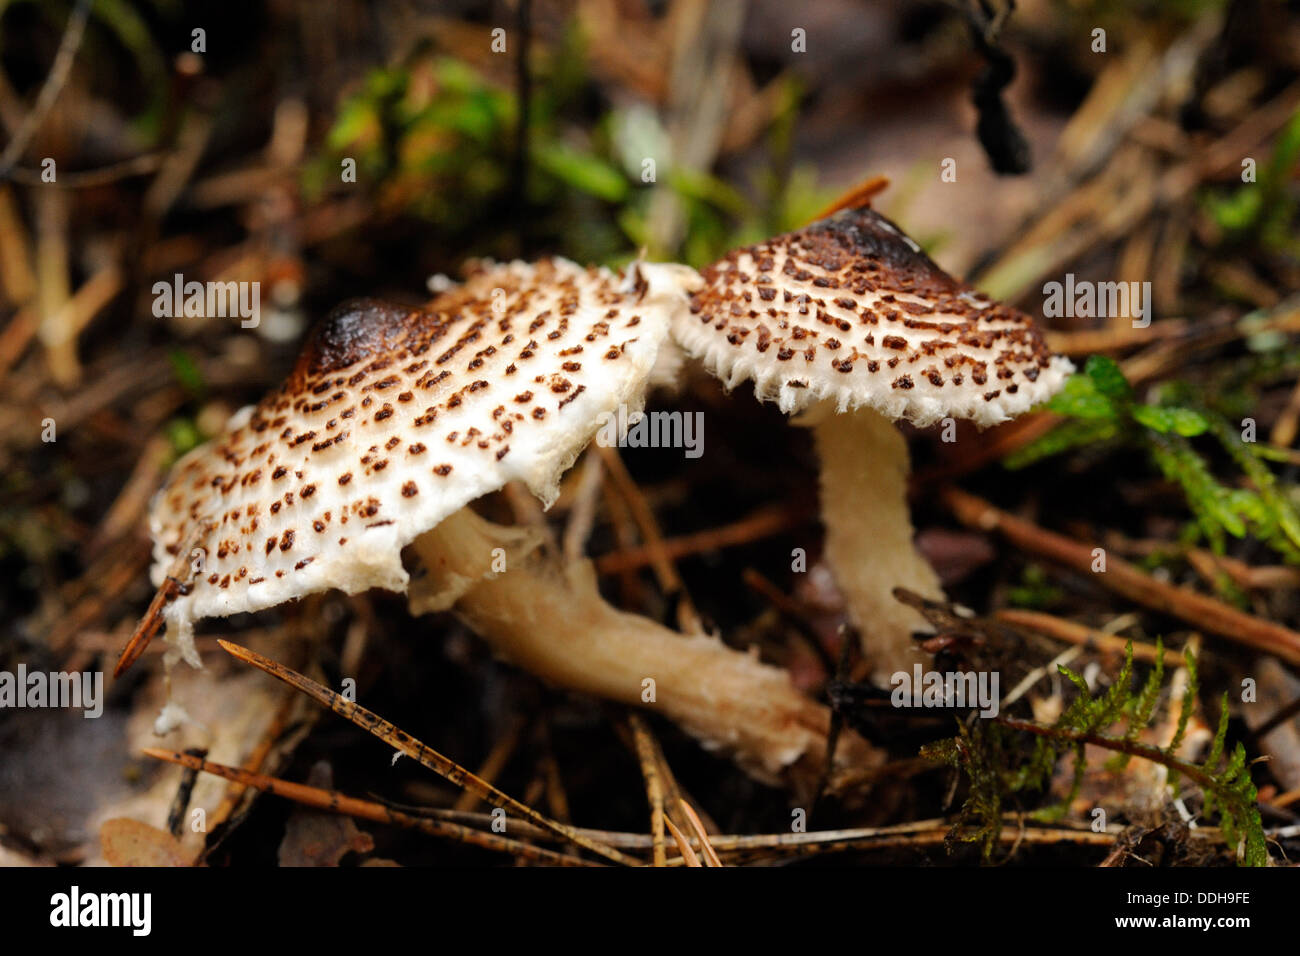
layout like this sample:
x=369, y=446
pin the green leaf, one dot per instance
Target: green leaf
x=358, y=121
x=184, y=435
x=582, y=171
x=1080, y=398
x=1108, y=378
x=187, y=373
x=1279, y=515
x=1239, y=211
x=1035, y=589
x=1076, y=434
x=133, y=32
x=1166, y=419
x=707, y=188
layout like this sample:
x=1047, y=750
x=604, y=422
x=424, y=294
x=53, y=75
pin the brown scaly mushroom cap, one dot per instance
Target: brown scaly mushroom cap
x=393, y=421
x=851, y=310
x=395, y=418
x=850, y=324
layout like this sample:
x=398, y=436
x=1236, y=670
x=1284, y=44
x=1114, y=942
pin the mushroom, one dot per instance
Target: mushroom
x=850, y=325
x=394, y=420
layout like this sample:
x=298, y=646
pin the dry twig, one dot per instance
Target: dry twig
x=417, y=750
x=1126, y=579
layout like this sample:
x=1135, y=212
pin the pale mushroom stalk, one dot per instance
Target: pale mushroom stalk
x=552, y=622
x=864, y=464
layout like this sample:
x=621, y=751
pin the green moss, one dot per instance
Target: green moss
x=1102, y=410
x=1006, y=760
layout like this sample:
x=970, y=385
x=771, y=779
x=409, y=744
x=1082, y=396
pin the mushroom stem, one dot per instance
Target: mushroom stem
x=864, y=467
x=553, y=622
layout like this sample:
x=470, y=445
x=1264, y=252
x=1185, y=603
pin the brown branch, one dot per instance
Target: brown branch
x=856, y=197
x=656, y=554
x=178, y=577
x=1126, y=579
x=654, y=788
x=760, y=524
x=697, y=827
x=1082, y=635
x=88, y=178
x=1131, y=747
x=419, y=751
x=53, y=85
x=333, y=801
x=496, y=761
x=688, y=855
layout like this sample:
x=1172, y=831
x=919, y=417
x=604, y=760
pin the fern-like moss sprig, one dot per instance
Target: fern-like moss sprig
x=1100, y=407
x=993, y=756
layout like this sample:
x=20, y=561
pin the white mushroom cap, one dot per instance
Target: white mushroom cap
x=851, y=310
x=395, y=418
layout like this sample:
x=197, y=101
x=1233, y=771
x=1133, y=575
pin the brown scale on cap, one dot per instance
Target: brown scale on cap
x=851, y=310
x=394, y=418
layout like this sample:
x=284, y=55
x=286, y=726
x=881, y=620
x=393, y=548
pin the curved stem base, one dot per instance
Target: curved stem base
x=556, y=625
